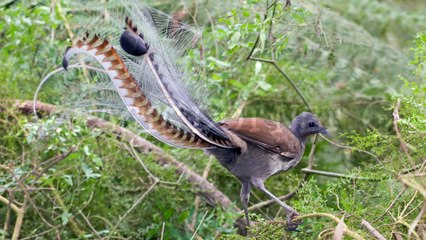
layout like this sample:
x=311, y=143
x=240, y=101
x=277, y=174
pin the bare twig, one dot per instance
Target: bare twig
x=347, y=231
x=372, y=230
x=19, y=217
x=417, y=220
x=352, y=148
x=398, y=134
x=199, y=225
x=335, y=175
x=325, y=233
x=89, y=224
x=162, y=230
x=391, y=205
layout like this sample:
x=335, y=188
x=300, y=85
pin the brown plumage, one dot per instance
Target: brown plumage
x=270, y=135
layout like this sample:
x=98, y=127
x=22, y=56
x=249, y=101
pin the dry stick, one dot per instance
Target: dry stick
x=162, y=230
x=41, y=233
x=335, y=175
x=412, y=209
x=19, y=217
x=199, y=225
x=339, y=230
x=352, y=148
x=8, y=210
x=391, y=205
x=405, y=224
x=325, y=233
x=398, y=134
x=49, y=163
x=372, y=230
x=417, y=220
x=89, y=224
x=334, y=218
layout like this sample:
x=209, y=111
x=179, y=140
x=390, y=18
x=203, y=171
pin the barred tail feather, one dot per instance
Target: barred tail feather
x=141, y=50
x=137, y=103
x=166, y=76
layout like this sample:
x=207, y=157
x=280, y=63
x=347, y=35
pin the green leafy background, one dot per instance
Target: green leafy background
x=353, y=61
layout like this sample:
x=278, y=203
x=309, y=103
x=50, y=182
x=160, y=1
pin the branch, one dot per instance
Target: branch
x=19, y=216
x=347, y=231
x=372, y=230
x=417, y=220
x=352, y=148
x=395, y=127
x=335, y=175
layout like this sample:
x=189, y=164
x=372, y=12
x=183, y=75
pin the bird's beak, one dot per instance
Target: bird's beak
x=325, y=132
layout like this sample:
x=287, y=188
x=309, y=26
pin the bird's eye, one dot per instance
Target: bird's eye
x=312, y=124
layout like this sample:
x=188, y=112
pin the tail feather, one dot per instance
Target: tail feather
x=137, y=103
x=147, y=72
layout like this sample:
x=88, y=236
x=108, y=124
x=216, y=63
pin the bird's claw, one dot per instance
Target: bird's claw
x=292, y=224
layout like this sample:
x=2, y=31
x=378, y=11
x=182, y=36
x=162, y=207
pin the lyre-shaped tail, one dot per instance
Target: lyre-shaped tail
x=148, y=82
x=129, y=90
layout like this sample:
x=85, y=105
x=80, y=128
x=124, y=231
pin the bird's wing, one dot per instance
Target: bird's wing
x=267, y=134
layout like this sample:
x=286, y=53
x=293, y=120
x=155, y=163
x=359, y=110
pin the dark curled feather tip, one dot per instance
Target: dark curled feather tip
x=65, y=60
x=133, y=44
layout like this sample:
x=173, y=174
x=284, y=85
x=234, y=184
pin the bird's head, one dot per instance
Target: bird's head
x=307, y=124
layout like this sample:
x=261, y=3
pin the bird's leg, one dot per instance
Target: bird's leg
x=291, y=213
x=245, y=196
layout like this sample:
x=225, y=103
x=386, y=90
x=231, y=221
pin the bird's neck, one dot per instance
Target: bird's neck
x=296, y=131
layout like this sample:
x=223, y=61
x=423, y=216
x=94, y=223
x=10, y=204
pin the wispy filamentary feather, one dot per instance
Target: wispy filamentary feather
x=142, y=53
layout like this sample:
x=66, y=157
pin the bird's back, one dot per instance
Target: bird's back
x=271, y=148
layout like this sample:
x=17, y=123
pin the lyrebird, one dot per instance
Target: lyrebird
x=140, y=50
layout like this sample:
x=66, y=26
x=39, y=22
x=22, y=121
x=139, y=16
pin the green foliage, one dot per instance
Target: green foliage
x=350, y=60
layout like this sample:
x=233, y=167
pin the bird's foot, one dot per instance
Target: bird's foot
x=291, y=223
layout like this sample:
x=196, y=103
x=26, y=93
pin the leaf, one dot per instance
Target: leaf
x=264, y=85
x=88, y=171
x=68, y=179
x=65, y=216
x=257, y=68
x=235, y=40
